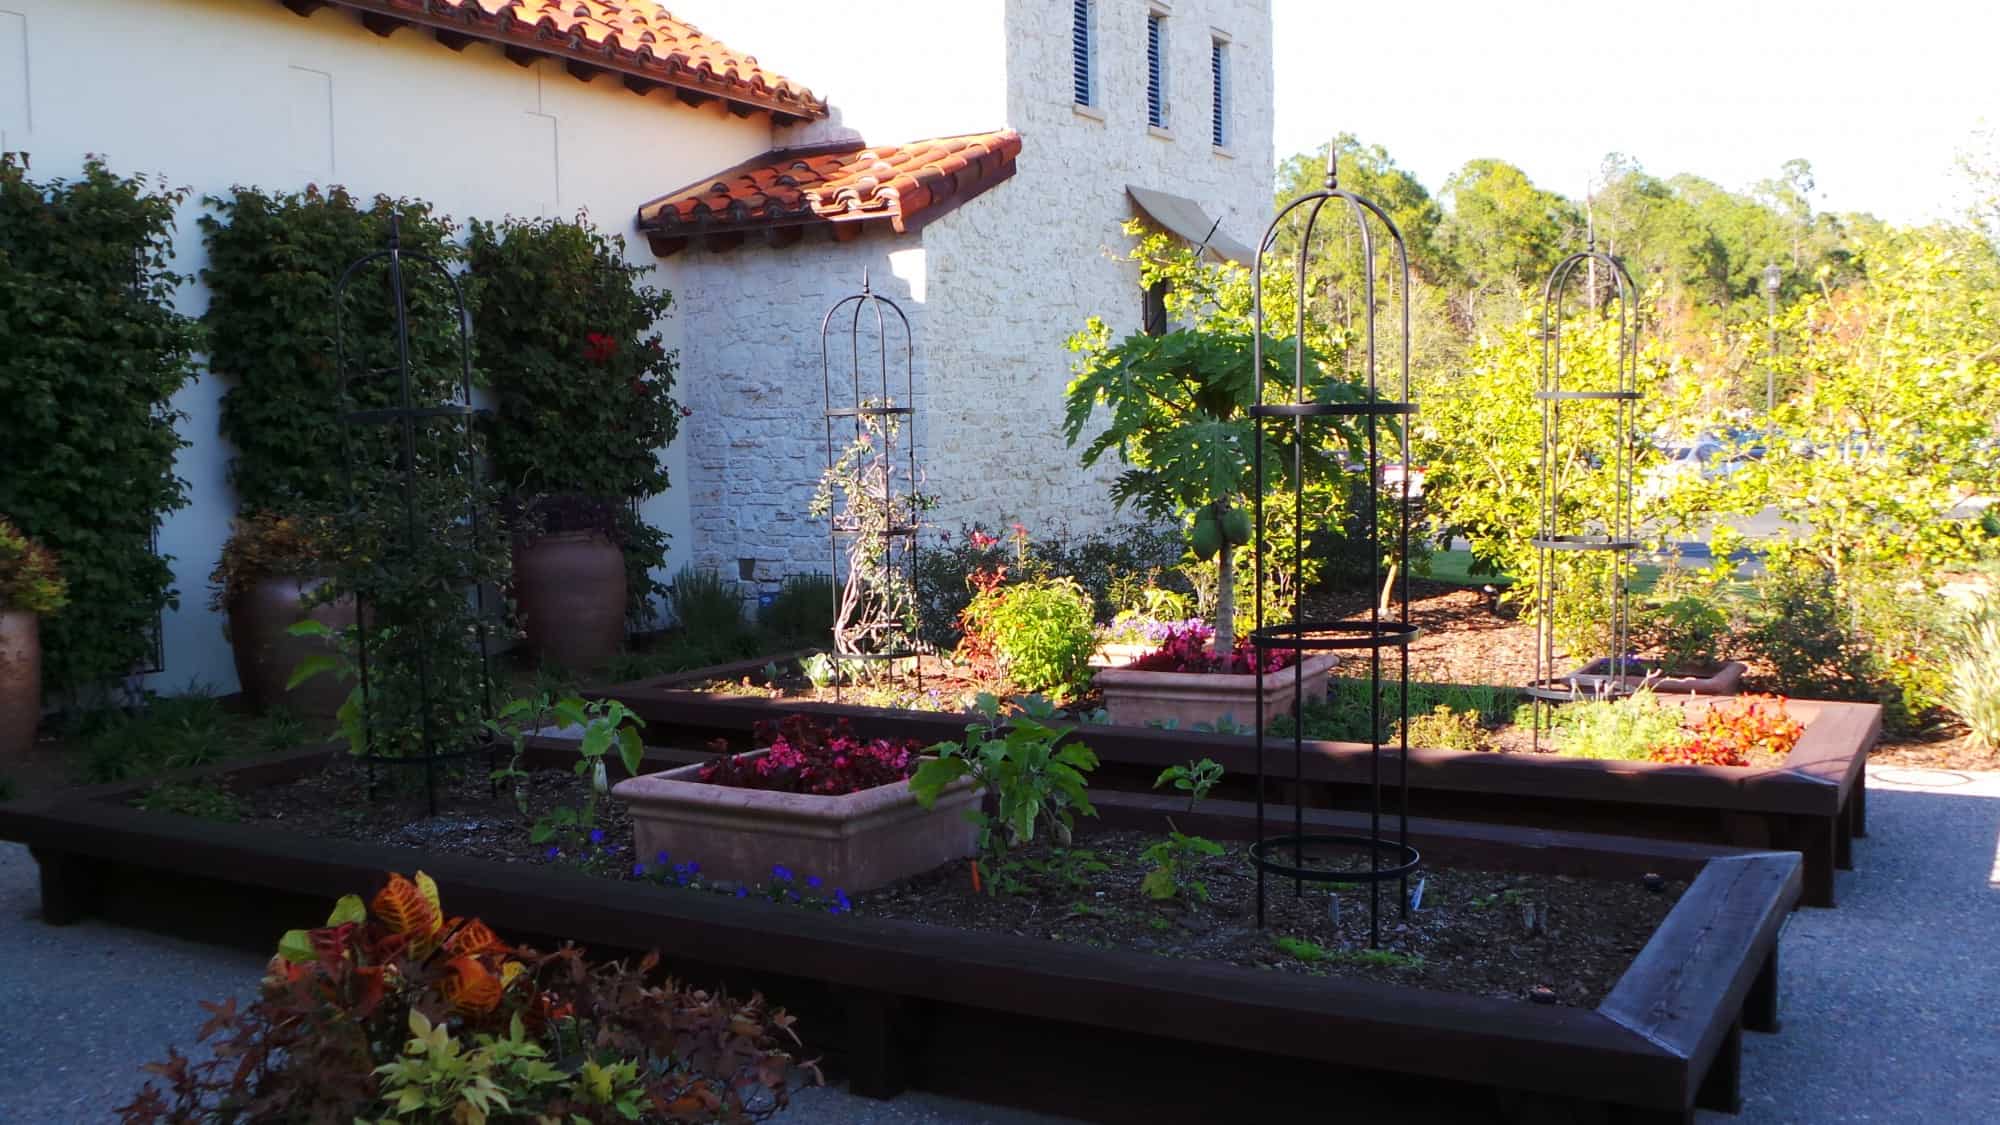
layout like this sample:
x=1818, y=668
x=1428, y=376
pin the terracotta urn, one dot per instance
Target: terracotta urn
x=1184, y=699
x=570, y=590
x=20, y=682
x=260, y=618
x=855, y=842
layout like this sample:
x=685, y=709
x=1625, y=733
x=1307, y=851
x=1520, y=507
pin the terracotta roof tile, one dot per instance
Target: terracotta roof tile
x=635, y=38
x=847, y=183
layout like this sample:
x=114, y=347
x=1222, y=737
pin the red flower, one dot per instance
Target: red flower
x=599, y=348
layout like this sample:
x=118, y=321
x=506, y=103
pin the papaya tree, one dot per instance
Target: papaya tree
x=1178, y=419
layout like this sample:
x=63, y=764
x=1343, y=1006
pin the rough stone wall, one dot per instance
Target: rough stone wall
x=1015, y=272
x=751, y=374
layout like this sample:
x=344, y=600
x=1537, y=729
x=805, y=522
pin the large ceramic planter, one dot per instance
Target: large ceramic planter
x=570, y=589
x=1725, y=680
x=1184, y=699
x=856, y=843
x=20, y=682
x=260, y=622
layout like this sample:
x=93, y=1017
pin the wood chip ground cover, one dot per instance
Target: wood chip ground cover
x=1488, y=933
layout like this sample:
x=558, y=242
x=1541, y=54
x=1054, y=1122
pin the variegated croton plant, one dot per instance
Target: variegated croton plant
x=394, y=1010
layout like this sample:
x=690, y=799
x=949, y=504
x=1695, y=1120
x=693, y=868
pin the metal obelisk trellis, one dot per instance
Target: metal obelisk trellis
x=1296, y=854
x=1557, y=536
x=410, y=422
x=880, y=411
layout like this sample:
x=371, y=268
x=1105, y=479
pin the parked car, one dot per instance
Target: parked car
x=1705, y=457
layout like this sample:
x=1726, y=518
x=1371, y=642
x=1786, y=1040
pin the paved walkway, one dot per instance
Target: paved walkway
x=1891, y=1002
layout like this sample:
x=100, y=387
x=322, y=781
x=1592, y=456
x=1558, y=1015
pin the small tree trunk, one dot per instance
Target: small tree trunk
x=1225, y=600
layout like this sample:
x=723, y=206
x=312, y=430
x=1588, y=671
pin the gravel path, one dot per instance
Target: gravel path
x=1891, y=1002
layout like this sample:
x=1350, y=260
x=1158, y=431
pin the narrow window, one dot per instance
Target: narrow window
x=1156, y=67
x=1218, y=125
x=1080, y=51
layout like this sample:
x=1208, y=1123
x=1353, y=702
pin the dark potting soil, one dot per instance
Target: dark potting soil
x=1482, y=932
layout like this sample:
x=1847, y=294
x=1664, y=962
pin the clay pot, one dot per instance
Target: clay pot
x=20, y=682
x=570, y=588
x=266, y=653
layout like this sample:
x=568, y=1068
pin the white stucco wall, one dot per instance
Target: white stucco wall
x=1004, y=278
x=757, y=438
x=220, y=92
x=1016, y=272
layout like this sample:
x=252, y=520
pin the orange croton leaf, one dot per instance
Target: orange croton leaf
x=473, y=939
x=404, y=908
x=469, y=987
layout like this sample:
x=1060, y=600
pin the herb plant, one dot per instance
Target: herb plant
x=607, y=724
x=1022, y=762
x=1194, y=779
x=1041, y=632
x=1634, y=728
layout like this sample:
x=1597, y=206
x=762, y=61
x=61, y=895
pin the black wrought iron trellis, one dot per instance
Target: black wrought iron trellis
x=877, y=414
x=408, y=418
x=1299, y=855
x=1613, y=537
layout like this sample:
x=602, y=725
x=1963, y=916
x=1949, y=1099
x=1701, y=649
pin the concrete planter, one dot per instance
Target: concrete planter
x=260, y=618
x=1135, y=698
x=1725, y=680
x=856, y=843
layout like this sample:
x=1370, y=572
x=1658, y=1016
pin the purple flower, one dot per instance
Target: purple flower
x=694, y=868
x=813, y=881
x=781, y=873
x=554, y=852
x=743, y=892
x=639, y=870
x=597, y=835
x=661, y=859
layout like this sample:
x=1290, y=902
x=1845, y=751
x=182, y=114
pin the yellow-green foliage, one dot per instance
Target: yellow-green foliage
x=1042, y=632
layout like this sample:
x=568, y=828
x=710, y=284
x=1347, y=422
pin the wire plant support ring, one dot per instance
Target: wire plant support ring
x=872, y=526
x=1560, y=541
x=1297, y=855
x=423, y=467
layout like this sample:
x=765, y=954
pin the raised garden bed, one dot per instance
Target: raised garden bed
x=904, y=1002
x=1725, y=678
x=1814, y=802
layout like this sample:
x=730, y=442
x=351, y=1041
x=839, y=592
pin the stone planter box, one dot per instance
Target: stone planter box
x=855, y=842
x=1135, y=698
x=1725, y=680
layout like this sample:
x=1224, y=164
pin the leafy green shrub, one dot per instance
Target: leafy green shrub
x=91, y=355
x=567, y=331
x=1973, y=691
x=1800, y=629
x=1684, y=632
x=1040, y=630
x=802, y=609
x=1632, y=729
x=1343, y=715
x=704, y=603
x=1035, y=778
x=273, y=260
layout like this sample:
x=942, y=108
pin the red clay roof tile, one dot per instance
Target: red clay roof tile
x=833, y=184
x=635, y=38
